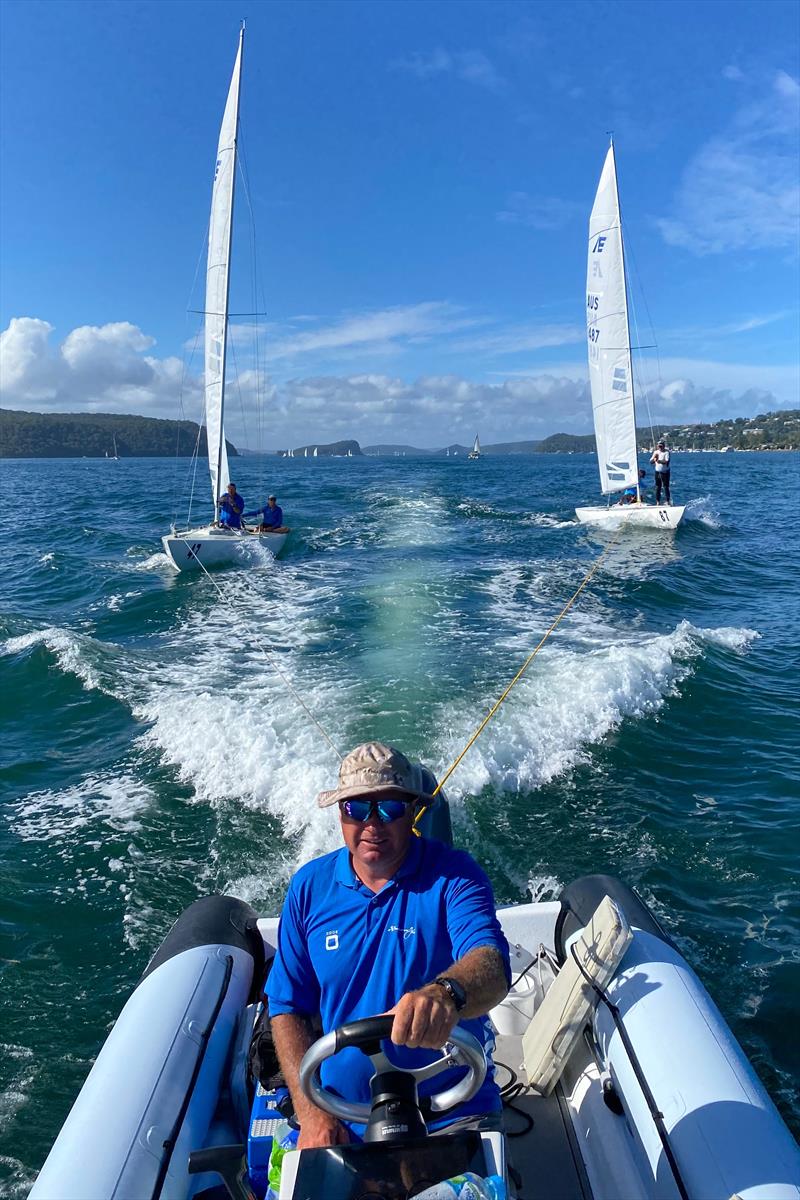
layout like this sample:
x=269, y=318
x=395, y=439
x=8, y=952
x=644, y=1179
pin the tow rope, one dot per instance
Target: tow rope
x=516, y=678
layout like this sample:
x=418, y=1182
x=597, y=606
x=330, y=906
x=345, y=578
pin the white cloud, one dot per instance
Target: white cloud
x=434, y=407
x=95, y=369
x=540, y=212
x=472, y=66
x=706, y=333
x=521, y=338
x=108, y=369
x=740, y=191
x=409, y=324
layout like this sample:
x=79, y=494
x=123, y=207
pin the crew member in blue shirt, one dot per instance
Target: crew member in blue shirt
x=271, y=517
x=231, y=507
x=631, y=495
x=390, y=923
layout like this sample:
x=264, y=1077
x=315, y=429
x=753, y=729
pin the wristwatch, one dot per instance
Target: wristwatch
x=454, y=990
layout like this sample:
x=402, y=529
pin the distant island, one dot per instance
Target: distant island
x=768, y=431
x=92, y=435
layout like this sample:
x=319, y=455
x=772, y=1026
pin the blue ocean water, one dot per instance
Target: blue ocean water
x=151, y=752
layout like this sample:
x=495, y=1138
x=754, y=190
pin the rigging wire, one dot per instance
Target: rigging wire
x=587, y=577
x=185, y=369
x=256, y=288
x=654, y=346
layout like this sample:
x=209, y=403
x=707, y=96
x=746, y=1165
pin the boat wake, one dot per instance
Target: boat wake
x=570, y=701
x=702, y=511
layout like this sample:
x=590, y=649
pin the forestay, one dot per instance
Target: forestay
x=217, y=275
x=609, y=339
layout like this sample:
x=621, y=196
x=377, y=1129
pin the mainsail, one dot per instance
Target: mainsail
x=609, y=339
x=217, y=285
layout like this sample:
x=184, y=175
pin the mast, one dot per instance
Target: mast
x=220, y=241
x=627, y=318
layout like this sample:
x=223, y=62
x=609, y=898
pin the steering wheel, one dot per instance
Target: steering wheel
x=462, y=1050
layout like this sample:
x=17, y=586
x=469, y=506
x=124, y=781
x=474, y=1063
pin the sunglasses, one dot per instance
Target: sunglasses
x=385, y=810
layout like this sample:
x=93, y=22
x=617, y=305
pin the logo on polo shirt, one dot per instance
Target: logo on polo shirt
x=407, y=933
x=332, y=939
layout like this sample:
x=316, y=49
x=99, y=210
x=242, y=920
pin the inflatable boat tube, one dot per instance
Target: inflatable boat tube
x=150, y=1096
x=722, y=1132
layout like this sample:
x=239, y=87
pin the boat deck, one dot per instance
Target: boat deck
x=545, y=1161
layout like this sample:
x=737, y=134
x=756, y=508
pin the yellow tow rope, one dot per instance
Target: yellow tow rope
x=516, y=678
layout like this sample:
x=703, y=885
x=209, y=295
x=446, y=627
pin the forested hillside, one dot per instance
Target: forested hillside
x=92, y=435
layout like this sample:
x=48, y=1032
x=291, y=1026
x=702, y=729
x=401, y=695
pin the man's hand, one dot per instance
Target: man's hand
x=319, y=1128
x=424, y=1018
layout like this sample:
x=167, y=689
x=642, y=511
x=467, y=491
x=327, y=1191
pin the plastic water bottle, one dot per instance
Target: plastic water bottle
x=283, y=1139
x=466, y=1187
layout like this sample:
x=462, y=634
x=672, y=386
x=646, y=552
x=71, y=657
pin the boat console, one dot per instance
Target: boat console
x=398, y=1157
x=393, y=1171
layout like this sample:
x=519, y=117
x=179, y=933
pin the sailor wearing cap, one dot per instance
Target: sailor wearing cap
x=271, y=517
x=388, y=923
x=660, y=460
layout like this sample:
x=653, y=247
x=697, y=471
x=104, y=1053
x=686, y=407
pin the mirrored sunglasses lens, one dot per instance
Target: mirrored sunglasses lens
x=357, y=810
x=391, y=810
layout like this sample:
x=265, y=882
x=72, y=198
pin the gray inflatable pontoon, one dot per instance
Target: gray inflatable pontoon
x=623, y=1079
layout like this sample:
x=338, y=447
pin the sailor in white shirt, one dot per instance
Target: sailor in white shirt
x=660, y=461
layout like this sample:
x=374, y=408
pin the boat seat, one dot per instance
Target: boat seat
x=557, y=1023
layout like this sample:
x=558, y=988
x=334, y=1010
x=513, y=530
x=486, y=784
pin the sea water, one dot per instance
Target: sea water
x=151, y=752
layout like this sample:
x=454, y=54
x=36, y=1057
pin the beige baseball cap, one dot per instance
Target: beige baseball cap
x=375, y=768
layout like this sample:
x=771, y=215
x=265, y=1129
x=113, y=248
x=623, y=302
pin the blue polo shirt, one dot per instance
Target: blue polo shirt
x=273, y=517
x=231, y=513
x=347, y=953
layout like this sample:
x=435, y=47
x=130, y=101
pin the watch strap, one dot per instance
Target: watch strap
x=454, y=990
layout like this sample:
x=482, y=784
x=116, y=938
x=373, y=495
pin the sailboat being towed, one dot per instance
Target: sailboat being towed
x=610, y=368
x=215, y=544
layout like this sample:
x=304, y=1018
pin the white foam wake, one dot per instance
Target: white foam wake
x=116, y=802
x=570, y=701
x=76, y=653
x=701, y=509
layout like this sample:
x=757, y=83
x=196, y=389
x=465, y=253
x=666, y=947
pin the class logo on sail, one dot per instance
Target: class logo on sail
x=619, y=383
x=617, y=470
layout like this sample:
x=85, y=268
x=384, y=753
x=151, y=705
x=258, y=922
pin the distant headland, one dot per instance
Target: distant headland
x=767, y=431
x=95, y=435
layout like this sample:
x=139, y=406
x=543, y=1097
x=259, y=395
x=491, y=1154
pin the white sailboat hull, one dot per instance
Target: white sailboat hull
x=634, y=516
x=211, y=546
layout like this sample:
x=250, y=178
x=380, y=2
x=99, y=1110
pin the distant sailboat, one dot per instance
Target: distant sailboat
x=115, y=455
x=475, y=452
x=314, y=455
x=216, y=544
x=610, y=370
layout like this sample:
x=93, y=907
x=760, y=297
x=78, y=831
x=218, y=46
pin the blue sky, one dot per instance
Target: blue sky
x=421, y=177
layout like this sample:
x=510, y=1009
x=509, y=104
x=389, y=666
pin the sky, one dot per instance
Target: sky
x=413, y=228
